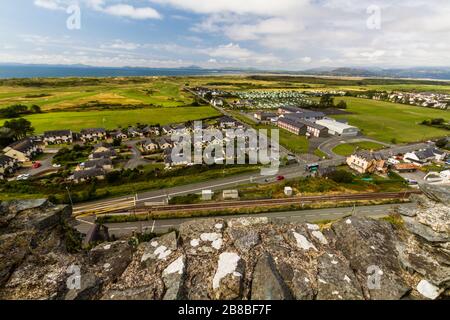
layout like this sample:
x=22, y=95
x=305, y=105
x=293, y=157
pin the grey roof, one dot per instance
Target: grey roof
x=425, y=154
x=304, y=113
x=291, y=122
x=91, y=173
x=5, y=159
x=57, y=133
x=104, y=154
x=226, y=119
x=370, y=155
x=22, y=145
x=148, y=141
x=164, y=140
x=97, y=163
x=312, y=124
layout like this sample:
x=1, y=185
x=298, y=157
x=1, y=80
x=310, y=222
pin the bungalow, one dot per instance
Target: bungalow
x=151, y=131
x=149, y=145
x=164, y=143
x=109, y=154
x=86, y=175
x=119, y=135
x=102, y=147
x=105, y=164
x=366, y=162
x=134, y=133
x=58, y=137
x=7, y=166
x=167, y=130
x=177, y=160
x=406, y=167
x=92, y=134
x=217, y=102
x=292, y=126
x=22, y=151
x=420, y=157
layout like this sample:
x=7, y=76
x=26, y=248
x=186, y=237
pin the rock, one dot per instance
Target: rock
x=369, y=246
x=137, y=293
x=302, y=286
x=90, y=286
x=244, y=240
x=424, y=231
x=227, y=281
x=428, y=290
x=247, y=221
x=173, y=277
x=111, y=259
x=267, y=283
x=303, y=242
x=335, y=280
x=436, y=193
x=52, y=217
x=413, y=256
x=158, y=249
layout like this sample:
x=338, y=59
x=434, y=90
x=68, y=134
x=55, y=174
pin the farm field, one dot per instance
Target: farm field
x=386, y=121
x=117, y=118
x=159, y=92
x=347, y=149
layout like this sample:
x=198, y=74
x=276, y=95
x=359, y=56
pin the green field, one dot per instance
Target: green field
x=118, y=118
x=347, y=149
x=385, y=121
x=159, y=92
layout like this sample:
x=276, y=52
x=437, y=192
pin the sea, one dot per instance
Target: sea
x=42, y=71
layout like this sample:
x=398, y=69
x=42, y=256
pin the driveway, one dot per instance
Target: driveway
x=136, y=155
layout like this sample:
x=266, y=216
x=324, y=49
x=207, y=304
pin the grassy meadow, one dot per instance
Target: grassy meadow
x=347, y=149
x=117, y=118
x=385, y=121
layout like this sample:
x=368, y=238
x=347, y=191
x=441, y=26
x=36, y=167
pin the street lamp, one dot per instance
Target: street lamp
x=70, y=197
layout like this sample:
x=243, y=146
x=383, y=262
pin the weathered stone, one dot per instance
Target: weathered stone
x=424, y=231
x=369, y=246
x=244, y=240
x=90, y=286
x=335, y=280
x=158, y=249
x=138, y=293
x=428, y=290
x=110, y=259
x=173, y=277
x=436, y=193
x=227, y=281
x=267, y=283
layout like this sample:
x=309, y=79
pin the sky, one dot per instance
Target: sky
x=263, y=34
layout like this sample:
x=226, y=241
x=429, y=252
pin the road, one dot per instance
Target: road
x=161, y=226
x=136, y=155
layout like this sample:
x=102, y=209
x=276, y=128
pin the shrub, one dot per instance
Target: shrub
x=341, y=176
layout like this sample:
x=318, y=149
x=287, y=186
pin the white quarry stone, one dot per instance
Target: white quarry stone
x=217, y=244
x=195, y=242
x=154, y=244
x=219, y=226
x=322, y=281
x=162, y=252
x=227, y=264
x=106, y=266
x=348, y=221
x=319, y=236
x=314, y=227
x=334, y=262
x=107, y=247
x=302, y=242
x=210, y=236
x=175, y=267
x=346, y=278
x=428, y=289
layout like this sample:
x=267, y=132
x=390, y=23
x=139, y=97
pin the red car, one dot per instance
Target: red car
x=36, y=165
x=280, y=178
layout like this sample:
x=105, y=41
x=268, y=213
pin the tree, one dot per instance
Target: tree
x=20, y=128
x=35, y=109
x=441, y=143
x=326, y=101
x=341, y=105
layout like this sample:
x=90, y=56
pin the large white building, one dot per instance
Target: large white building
x=337, y=128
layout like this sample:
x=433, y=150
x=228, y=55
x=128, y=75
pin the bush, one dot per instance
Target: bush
x=341, y=176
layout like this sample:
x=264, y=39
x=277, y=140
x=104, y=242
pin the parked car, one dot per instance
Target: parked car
x=36, y=165
x=23, y=177
x=280, y=178
x=56, y=166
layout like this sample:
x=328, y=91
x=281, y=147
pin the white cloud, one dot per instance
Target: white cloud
x=128, y=11
x=119, y=44
x=49, y=4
